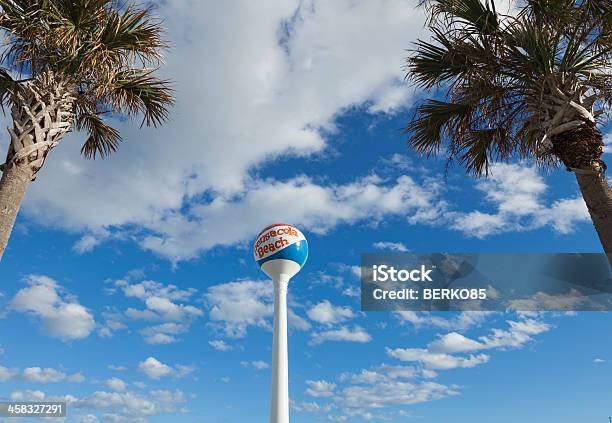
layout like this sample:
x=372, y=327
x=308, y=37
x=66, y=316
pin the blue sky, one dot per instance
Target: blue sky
x=129, y=288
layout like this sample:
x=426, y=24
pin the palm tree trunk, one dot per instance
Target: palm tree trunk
x=42, y=113
x=13, y=185
x=580, y=149
x=597, y=195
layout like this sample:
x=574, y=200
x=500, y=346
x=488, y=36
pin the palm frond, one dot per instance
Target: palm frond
x=442, y=60
x=139, y=92
x=102, y=139
x=135, y=31
x=106, y=51
x=431, y=120
x=7, y=87
x=473, y=15
x=502, y=77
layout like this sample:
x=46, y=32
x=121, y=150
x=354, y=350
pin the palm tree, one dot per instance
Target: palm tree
x=67, y=64
x=532, y=85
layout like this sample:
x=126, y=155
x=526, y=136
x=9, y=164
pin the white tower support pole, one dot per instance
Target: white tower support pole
x=279, y=403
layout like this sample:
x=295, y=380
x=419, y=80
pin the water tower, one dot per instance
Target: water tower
x=281, y=251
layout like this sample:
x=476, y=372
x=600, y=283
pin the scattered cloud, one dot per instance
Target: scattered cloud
x=257, y=364
x=342, y=334
x=220, y=345
x=39, y=375
x=319, y=388
x=166, y=303
x=88, y=418
x=455, y=343
x=88, y=242
x=391, y=246
x=236, y=219
x=114, y=406
x=59, y=313
x=328, y=314
x=436, y=361
x=457, y=320
x=116, y=384
x=516, y=190
x=309, y=407
x=164, y=333
x=112, y=324
x=440, y=354
x=47, y=375
x=305, y=73
x=155, y=369
x=371, y=394
x=7, y=374
x=380, y=373
x=235, y=306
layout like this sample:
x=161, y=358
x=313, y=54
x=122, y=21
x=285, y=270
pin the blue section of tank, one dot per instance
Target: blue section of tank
x=297, y=252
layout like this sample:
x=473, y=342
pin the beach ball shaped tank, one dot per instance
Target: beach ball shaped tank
x=281, y=250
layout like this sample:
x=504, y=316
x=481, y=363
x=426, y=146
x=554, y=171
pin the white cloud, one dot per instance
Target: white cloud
x=29, y=395
x=163, y=302
x=220, y=345
x=235, y=306
x=116, y=384
x=151, y=289
x=375, y=393
x=390, y=246
x=519, y=334
x=7, y=374
x=458, y=320
x=328, y=314
x=309, y=407
x=164, y=333
x=372, y=393
x=320, y=388
x=77, y=377
x=455, y=343
x=163, y=308
x=90, y=241
x=516, y=190
x=114, y=406
x=342, y=334
x=304, y=72
x=238, y=305
x=380, y=373
x=436, y=361
x=297, y=322
x=439, y=353
x=257, y=364
x=599, y=360
x=112, y=324
x=155, y=369
x=60, y=314
x=359, y=400
x=235, y=219
x=40, y=375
